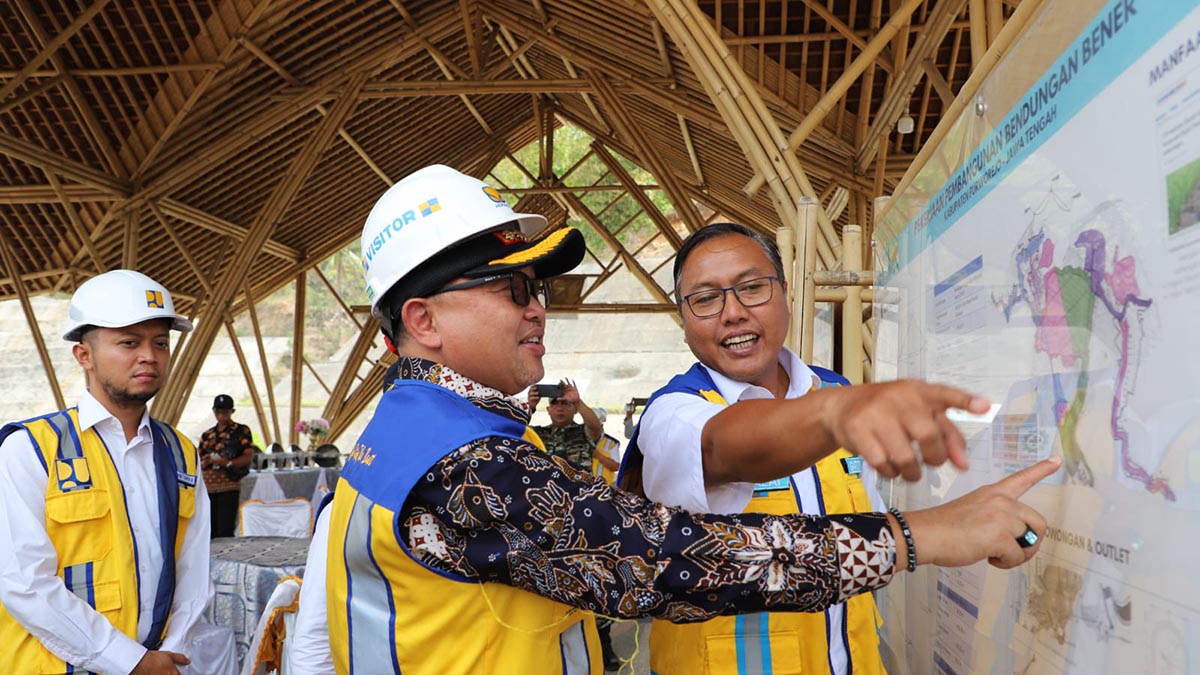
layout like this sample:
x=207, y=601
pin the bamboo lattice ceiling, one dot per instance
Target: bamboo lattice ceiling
x=220, y=145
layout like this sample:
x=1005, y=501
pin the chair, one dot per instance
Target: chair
x=269, y=650
x=213, y=651
x=609, y=447
x=288, y=518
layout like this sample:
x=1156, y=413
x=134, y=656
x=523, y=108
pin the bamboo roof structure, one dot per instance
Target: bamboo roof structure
x=225, y=147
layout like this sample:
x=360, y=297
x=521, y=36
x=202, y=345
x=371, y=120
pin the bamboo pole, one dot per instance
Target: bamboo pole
x=249, y=377
x=826, y=104
x=262, y=360
x=10, y=263
x=979, y=31
x=1013, y=29
x=852, y=347
x=297, y=355
x=803, y=321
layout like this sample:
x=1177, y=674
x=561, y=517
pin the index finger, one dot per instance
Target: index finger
x=944, y=396
x=1017, y=484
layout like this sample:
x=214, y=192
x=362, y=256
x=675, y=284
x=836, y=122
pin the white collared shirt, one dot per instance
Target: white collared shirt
x=33, y=593
x=669, y=438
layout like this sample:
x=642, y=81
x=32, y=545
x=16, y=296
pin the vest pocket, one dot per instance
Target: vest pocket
x=105, y=597
x=79, y=525
x=187, y=502
x=782, y=653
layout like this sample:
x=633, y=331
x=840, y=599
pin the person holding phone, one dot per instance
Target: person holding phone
x=564, y=437
x=226, y=451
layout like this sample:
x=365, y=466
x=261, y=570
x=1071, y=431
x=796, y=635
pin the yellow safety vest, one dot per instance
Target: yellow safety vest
x=389, y=613
x=780, y=643
x=87, y=523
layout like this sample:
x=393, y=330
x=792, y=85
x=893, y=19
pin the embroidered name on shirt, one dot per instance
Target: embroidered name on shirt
x=772, y=485
x=186, y=478
x=363, y=454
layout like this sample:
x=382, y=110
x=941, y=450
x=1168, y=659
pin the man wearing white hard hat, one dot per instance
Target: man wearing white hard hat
x=105, y=515
x=455, y=545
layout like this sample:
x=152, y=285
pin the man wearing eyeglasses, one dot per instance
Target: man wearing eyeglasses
x=456, y=545
x=703, y=446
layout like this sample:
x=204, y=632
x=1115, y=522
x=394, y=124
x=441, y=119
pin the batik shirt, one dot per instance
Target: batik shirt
x=230, y=444
x=499, y=509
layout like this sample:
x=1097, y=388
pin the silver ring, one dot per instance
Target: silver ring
x=1028, y=539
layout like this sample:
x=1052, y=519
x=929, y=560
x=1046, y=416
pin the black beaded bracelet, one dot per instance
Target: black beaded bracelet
x=912, y=550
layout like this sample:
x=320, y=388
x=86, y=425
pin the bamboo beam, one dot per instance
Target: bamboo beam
x=298, y=313
x=316, y=375
x=9, y=259
x=196, y=92
x=262, y=360
x=749, y=121
x=30, y=94
x=940, y=85
x=651, y=159
x=193, y=215
x=67, y=168
x=631, y=188
x=471, y=25
x=826, y=104
x=173, y=397
x=51, y=47
x=337, y=296
x=616, y=308
x=852, y=323
x=691, y=148
x=183, y=250
x=74, y=221
x=81, y=102
x=576, y=206
x=249, y=378
x=42, y=194
x=126, y=71
x=274, y=65
x=937, y=25
x=803, y=321
x=129, y=242
x=555, y=189
x=845, y=31
x=367, y=391
x=979, y=36
x=1013, y=29
x=354, y=359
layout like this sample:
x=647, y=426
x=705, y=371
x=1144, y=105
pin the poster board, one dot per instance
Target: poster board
x=1048, y=257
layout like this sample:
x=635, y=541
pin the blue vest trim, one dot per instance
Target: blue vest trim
x=415, y=425
x=168, y=464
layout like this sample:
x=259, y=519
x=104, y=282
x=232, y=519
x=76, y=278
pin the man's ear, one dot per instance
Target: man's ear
x=82, y=352
x=420, y=324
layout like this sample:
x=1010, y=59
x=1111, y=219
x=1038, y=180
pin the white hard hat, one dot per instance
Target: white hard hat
x=117, y=299
x=425, y=213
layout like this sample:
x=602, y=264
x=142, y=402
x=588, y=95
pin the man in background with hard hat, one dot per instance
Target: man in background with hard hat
x=457, y=546
x=106, y=519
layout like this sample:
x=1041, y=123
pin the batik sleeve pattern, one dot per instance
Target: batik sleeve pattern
x=499, y=510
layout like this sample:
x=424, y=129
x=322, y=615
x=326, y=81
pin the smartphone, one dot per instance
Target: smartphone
x=640, y=402
x=548, y=390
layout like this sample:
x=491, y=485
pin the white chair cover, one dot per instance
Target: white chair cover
x=320, y=490
x=267, y=489
x=212, y=651
x=290, y=518
x=283, y=600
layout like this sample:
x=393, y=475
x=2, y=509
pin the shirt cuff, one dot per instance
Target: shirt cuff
x=866, y=552
x=120, y=656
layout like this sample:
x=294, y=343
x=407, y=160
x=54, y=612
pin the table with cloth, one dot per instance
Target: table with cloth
x=245, y=571
x=294, y=482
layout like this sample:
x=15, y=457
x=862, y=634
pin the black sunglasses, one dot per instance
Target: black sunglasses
x=520, y=286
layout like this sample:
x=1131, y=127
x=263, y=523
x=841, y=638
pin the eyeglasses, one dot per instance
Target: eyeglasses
x=520, y=286
x=751, y=293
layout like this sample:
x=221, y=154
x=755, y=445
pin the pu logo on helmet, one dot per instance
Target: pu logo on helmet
x=72, y=474
x=154, y=299
x=494, y=195
x=425, y=209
